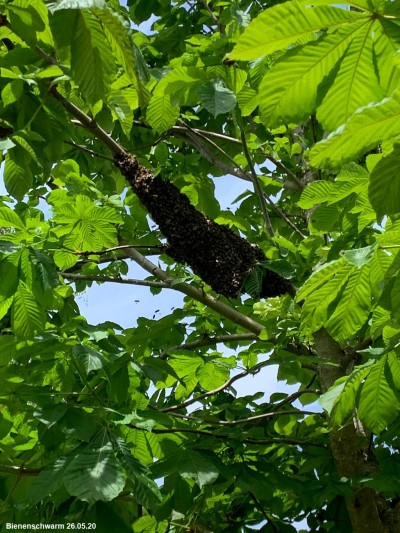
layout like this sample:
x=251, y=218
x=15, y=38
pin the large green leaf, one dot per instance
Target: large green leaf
x=384, y=187
x=283, y=24
x=378, y=404
x=217, y=98
x=289, y=91
x=27, y=316
x=315, y=311
x=75, y=4
x=345, y=401
x=364, y=130
x=146, y=490
x=94, y=474
x=354, y=306
x=356, y=84
x=17, y=175
x=117, y=34
x=161, y=113
x=92, y=60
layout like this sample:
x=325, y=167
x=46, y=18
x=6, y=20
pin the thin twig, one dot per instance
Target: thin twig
x=210, y=341
x=255, y=418
x=284, y=217
x=254, y=370
x=111, y=279
x=262, y=511
x=213, y=17
x=219, y=307
x=257, y=187
x=87, y=150
x=117, y=248
x=296, y=395
x=19, y=470
x=227, y=436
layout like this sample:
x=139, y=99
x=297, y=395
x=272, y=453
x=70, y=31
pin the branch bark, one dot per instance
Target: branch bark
x=350, y=448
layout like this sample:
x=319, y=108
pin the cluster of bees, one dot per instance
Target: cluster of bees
x=213, y=251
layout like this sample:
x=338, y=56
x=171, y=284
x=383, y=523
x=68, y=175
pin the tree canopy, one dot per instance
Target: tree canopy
x=111, y=140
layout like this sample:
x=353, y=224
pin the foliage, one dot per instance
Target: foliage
x=141, y=429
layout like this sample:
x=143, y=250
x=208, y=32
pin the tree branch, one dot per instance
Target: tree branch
x=254, y=370
x=250, y=419
x=257, y=187
x=89, y=124
x=227, y=436
x=127, y=281
x=210, y=341
x=88, y=151
x=19, y=470
x=228, y=312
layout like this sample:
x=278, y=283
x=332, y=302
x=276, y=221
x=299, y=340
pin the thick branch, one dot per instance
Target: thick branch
x=219, y=307
x=350, y=449
x=91, y=125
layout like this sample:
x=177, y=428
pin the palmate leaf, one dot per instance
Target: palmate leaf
x=356, y=84
x=281, y=25
x=92, y=60
x=363, y=131
x=94, y=474
x=288, y=92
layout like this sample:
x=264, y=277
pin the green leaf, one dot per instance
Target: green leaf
x=384, y=187
x=17, y=176
x=161, y=114
x=48, y=481
x=145, y=489
x=356, y=84
x=94, y=474
x=217, y=98
x=283, y=24
x=316, y=311
x=12, y=92
x=364, y=130
x=346, y=400
x=378, y=404
x=354, y=306
x=10, y=219
x=117, y=33
x=92, y=60
x=360, y=256
x=316, y=193
x=213, y=375
x=75, y=4
x=289, y=90
x=89, y=358
x=27, y=317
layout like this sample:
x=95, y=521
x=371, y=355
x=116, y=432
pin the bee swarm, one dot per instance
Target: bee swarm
x=214, y=252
